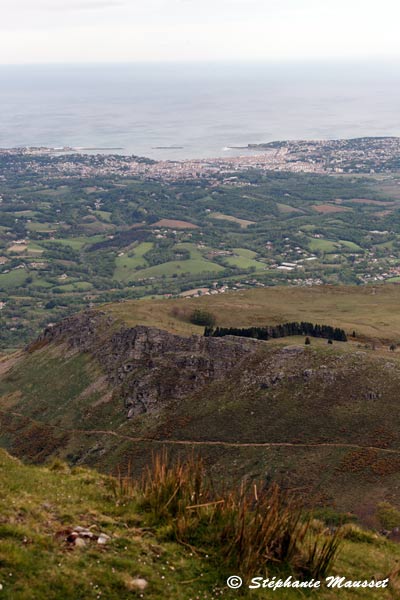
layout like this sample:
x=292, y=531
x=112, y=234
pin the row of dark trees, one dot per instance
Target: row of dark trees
x=278, y=331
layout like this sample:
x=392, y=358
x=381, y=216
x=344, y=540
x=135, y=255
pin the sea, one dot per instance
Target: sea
x=201, y=110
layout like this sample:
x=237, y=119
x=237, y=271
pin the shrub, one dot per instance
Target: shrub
x=182, y=313
x=354, y=533
x=243, y=530
x=202, y=317
x=388, y=515
x=57, y=464
x=333, y=518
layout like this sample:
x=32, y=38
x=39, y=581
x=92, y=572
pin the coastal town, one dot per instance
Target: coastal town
x=361, y=155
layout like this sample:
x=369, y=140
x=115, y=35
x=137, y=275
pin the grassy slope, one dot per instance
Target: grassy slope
x=126, y=264
x=53, y=418
x=65, y=407
x=35, y=563
x=178, y=266
x=345, y=444
x=38, y=504
x=372, y=311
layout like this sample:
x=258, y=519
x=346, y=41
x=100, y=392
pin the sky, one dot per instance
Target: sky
x=86, y=31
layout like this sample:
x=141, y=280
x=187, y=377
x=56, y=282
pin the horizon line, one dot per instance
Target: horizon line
x=218, y=61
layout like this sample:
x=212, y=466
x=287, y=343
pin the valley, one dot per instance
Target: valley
x=81, y=230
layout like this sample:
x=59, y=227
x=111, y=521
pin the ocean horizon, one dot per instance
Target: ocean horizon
x=195, y=110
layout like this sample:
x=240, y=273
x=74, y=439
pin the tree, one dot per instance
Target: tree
x=202, y=317
x=307, y=341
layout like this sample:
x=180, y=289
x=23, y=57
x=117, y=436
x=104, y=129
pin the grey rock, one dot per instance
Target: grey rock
x=147, y=366
x=103, y=539
x=292, y=350
x=79, y=542
x=138, y=583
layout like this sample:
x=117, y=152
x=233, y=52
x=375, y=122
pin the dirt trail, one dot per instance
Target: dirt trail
x=199, y=442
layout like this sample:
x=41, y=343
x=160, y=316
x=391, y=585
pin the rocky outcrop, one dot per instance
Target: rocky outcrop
x=147, y=366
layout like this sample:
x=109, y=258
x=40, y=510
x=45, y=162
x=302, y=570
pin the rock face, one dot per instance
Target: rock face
x=146, y=365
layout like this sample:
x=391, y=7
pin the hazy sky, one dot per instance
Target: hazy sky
x=142, y=30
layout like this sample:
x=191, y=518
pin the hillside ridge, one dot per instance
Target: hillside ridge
x=322, y=418
x=182, y=364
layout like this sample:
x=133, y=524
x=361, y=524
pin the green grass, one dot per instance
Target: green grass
x=77, y=242
x=103, y=214
x=42, y=227
x=129, y=262
x=287, y=209
x=25, y=213
x=13, y=279
x=69, y=379
x=350, y=245
x=386, y=245
x=41, y=282
x=244, y=259
x=78, y=286
x=323, y=245
x=35, y=247
x=195, y=253
x=38, y=506
x=193, y=266
x=244, y=223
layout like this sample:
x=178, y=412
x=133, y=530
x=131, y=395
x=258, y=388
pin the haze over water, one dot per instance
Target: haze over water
x=202, y=109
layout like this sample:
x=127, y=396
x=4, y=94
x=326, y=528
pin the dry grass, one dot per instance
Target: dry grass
x=371, y=311
x=175, y=224
x=327, y=209
x=245, y=530
x=244, y=223
x=371, y=202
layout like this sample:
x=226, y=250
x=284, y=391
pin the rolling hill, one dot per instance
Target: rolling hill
x=106, y=388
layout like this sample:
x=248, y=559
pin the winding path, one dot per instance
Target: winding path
x=222, y=444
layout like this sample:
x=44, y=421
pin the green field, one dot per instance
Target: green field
x=195, y=253
x=193, y=266
x=77, y=243
x=103, y=214
x=350, y=245
x=102, y=231
x=35, y=248
x=242, y=222
x=13, y=278
x=42, y=227
x=286, y=209
x=127, y=264
x=322, y=245
x=78, y=286
x=244, y=259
